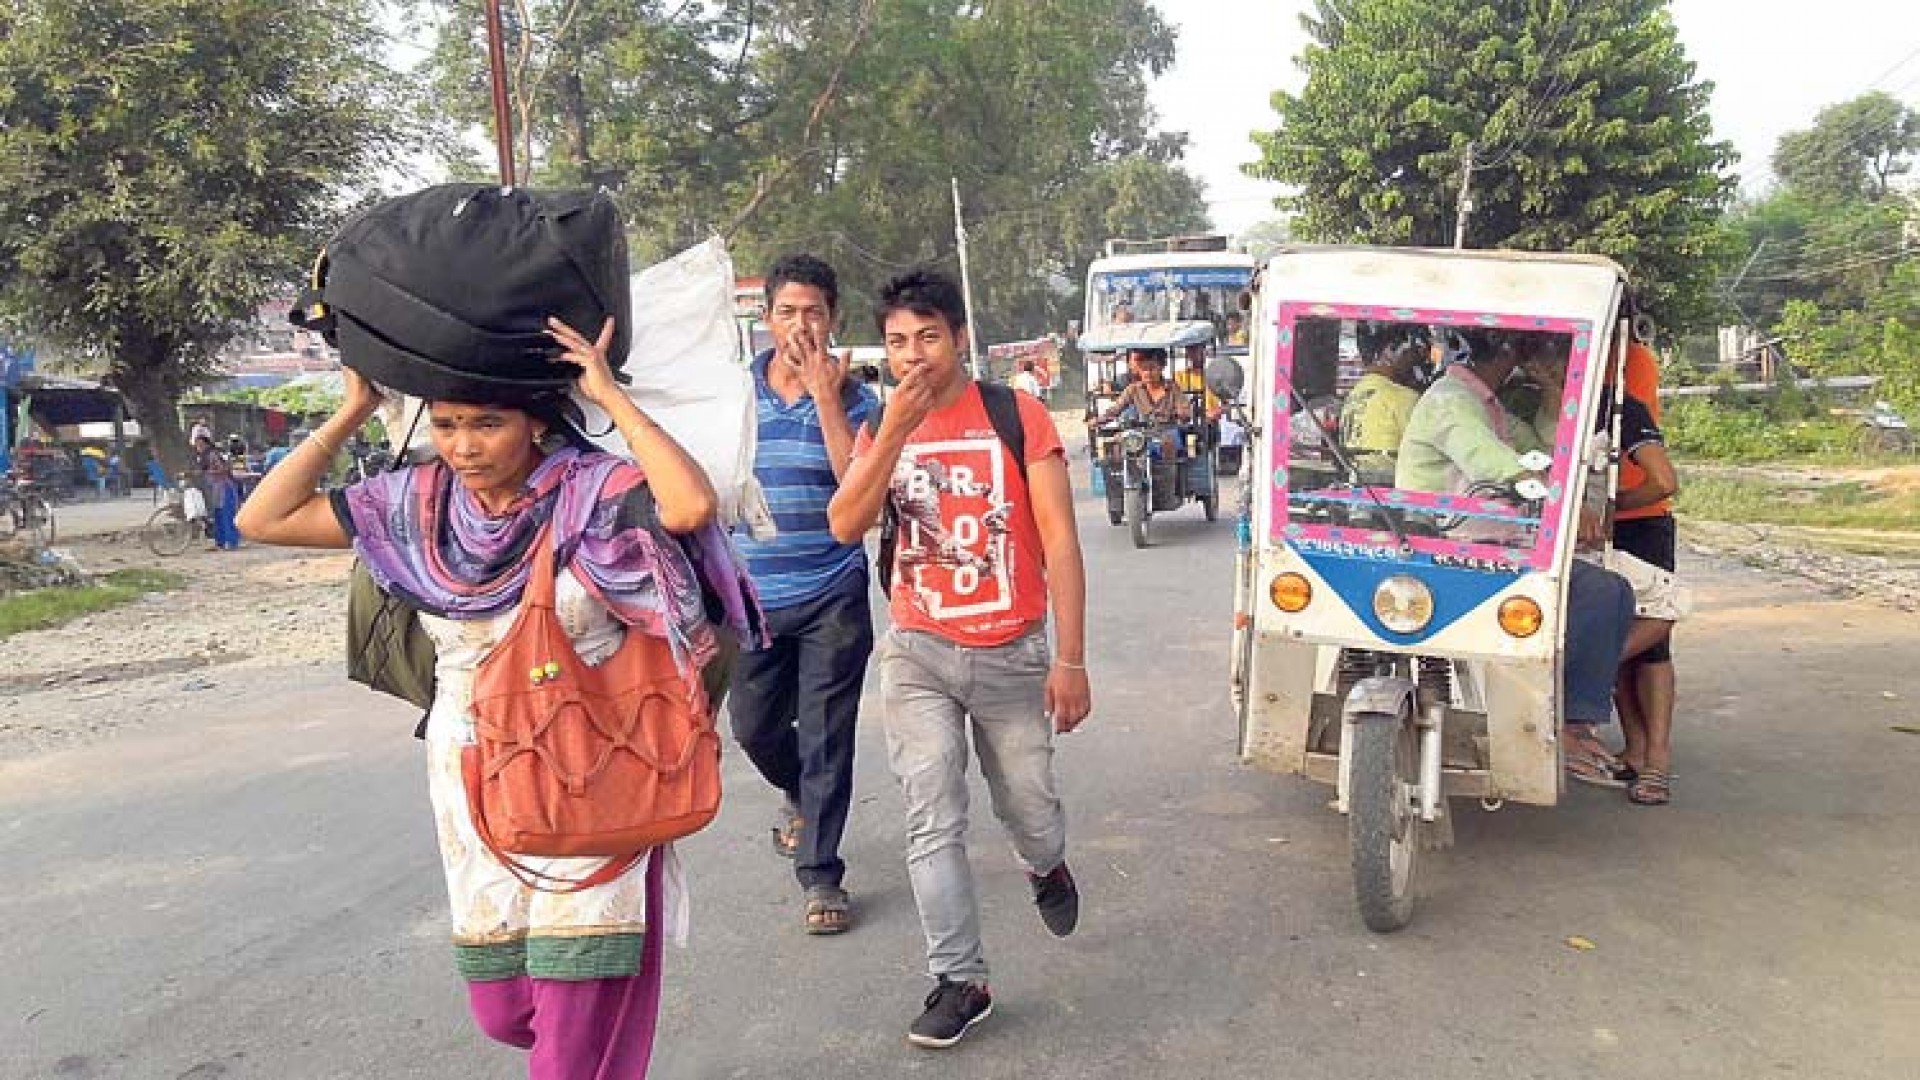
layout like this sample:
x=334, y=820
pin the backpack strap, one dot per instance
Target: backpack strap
x=1003, y=412
x=889, y=517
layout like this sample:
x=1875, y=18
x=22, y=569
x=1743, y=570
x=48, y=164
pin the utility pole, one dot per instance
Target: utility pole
x=966, y=282
x=1466, y=199
x=1727, y=294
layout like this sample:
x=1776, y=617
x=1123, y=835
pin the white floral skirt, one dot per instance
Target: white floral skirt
x=503, y=929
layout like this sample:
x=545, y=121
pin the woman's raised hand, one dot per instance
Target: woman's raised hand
x=596, y=374
x=361, y=398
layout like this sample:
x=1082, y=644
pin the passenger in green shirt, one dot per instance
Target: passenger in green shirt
x=1460, y=435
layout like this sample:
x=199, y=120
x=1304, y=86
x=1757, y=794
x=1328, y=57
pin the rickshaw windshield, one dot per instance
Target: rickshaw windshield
x=1185, y=294
x=1446, y=435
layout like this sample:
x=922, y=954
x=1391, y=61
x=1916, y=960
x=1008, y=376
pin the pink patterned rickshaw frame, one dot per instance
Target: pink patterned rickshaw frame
x=1369, y=542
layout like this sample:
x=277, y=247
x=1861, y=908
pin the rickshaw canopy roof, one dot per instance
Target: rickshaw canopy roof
x=1148, y=335
x=1550, y=284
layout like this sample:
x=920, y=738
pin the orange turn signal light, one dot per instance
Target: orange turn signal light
x=1290, y=592
x=1520, y=616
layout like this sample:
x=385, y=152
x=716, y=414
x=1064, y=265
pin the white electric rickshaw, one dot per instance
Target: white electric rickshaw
x=1397, y=637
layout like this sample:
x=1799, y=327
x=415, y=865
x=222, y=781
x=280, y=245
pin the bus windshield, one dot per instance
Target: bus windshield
x=1163, y=294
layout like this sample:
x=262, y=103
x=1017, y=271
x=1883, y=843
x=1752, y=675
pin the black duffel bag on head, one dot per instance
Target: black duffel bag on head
x=445, y=293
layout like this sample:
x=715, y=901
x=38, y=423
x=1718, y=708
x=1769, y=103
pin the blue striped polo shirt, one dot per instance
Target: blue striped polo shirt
x=804, y=560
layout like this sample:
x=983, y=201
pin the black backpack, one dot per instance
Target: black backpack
x=1003, y=412
x=444, y=293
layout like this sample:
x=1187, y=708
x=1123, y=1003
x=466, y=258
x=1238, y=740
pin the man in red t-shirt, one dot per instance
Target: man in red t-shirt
x=986, y=545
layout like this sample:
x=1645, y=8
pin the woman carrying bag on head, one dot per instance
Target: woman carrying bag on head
x=571, y=974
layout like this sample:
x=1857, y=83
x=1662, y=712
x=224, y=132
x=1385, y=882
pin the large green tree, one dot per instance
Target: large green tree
x=837, y=125
x=1853, y=151
x=1580, y=122
x=1037, y=109
x=1830, y=264
x=167, y=165
x=641, y=97
x=1833, y=232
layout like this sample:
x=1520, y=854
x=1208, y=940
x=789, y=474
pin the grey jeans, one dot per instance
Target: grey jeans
x=929, y=689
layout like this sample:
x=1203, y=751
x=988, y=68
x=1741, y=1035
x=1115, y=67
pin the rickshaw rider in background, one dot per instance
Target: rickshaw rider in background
x=1459, y=436
x=1152, y=398
x=1376, y=411
x=1192, y=379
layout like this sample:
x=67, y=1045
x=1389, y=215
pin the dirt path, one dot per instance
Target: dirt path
x=159, y=656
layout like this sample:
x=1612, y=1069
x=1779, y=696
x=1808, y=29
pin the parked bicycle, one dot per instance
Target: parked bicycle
x=26, y=510
x=178, y=521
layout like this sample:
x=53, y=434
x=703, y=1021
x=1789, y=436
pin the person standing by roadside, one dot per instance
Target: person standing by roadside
x=796, y=703
x=278, y=454
x=1023, y=378
x=976, y=477
x=215, y=475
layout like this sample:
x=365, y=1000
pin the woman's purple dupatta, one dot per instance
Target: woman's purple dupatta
x=427, y=540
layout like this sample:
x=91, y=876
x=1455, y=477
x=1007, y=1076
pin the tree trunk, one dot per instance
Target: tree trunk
x=576, y=134
x=154, y=400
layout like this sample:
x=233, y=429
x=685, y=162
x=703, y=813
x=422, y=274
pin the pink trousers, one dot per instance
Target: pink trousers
x=591, y=1029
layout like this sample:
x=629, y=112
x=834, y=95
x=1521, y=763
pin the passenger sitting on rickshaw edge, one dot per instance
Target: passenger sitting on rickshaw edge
x=1458, y=437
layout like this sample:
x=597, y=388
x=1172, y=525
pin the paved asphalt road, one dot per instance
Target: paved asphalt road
x=252, y=891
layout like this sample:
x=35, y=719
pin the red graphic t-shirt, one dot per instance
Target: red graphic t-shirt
x=968, y=564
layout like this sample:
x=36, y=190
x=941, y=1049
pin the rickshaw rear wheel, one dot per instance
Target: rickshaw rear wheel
x=1115, y=517
x=1135, y=506
x=1383, y=828
x=1210, y=505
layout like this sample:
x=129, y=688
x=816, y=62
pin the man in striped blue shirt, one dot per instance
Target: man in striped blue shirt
x=794, y=705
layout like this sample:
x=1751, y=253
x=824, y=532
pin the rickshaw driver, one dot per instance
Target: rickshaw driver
x=1459, y=434
x=1152, y=398
x=1456, y=438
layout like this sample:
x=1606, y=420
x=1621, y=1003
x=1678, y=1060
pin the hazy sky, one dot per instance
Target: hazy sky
x=1773, y=64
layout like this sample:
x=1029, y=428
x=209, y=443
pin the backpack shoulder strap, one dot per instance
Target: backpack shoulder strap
x=1003, y=411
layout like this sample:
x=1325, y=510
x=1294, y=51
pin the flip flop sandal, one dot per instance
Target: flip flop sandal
x=1651, y=788
x=786, y=832
x=828, y=910
x=1590, y=769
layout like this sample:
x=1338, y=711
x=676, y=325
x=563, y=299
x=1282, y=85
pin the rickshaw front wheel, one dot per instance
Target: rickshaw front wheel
x=1134, y=503
x=1383, y=827
x=1210, y=505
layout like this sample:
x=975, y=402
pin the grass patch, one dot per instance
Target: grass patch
x=1753, y=500
x=38, y=609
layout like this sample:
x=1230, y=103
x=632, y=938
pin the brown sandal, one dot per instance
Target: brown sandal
x=1652, y=787
x=828, y=910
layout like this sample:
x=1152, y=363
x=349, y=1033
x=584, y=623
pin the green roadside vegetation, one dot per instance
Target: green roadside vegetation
x=38, y=609
x=1788, y=498
x=1792, y=460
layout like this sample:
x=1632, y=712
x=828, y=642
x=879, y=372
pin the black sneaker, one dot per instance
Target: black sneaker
x=1058, y=899
x=952, y=1008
